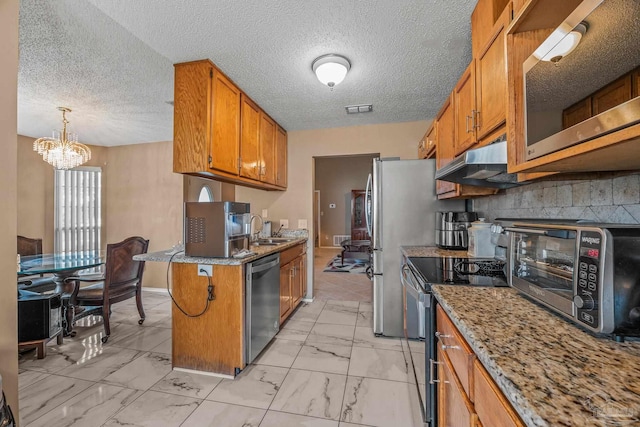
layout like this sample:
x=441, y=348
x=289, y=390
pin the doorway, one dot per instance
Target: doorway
x=336, y=177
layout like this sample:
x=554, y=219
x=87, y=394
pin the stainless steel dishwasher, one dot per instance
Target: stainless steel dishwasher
x=262, y=310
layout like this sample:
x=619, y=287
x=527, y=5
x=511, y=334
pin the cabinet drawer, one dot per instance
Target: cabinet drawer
x=491, y=405
x=292, y=253
x=458, y=351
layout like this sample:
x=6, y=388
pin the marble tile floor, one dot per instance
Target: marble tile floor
x=325, y=368
x=338, y=286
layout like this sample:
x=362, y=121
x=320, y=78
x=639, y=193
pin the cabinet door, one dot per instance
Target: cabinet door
x=491, y=405
x=225, y=136
x=422, y=147
x=611, y=95
x=635, y=80
x=281, y=157
x=267, y=149
x=431, y=142
x=491, y=73
x=285, y=291
x=250, y=140
x=465, y=110
x=444, y=145
x=191, y=117
x=454, y=408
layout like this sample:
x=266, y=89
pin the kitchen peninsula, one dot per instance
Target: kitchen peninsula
x=214, y=342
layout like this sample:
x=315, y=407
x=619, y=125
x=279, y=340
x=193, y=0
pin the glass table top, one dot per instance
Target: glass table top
x=63, y=262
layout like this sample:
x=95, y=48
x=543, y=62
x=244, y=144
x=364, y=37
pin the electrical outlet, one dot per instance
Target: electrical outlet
x=206, y=267
x=265, y=214
x=302, y=223
x=284, y=223
x=332, y=205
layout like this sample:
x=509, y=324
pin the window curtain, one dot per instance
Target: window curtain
x=77, y=221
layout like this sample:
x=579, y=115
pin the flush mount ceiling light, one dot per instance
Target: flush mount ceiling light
x=331, y=69
x=63, y=151
x=562, y=43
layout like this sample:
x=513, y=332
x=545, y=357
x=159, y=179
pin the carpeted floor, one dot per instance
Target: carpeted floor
x=351, y=265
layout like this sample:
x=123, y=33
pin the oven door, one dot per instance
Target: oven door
x=421, y=351
x=542, y=265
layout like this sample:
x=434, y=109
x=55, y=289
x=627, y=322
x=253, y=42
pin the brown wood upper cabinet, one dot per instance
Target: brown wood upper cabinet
x=281, y=157
x=220, y=133
x=427, y=145
x=206, y=120
x=481, y=93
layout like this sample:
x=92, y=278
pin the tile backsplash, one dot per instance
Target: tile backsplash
x=607, y=200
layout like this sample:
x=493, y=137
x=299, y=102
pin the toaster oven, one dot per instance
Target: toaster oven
x=589, y=273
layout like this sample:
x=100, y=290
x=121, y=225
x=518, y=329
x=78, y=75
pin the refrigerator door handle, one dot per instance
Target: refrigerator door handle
x=367, y=201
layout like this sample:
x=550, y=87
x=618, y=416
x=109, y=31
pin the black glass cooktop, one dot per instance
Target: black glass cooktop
x=460, y=271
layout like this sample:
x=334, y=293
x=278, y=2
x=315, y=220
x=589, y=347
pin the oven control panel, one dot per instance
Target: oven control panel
x=587, y=270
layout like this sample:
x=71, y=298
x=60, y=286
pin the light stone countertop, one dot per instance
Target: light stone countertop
x=258, y=252
x=432, y=252
x=552, y=372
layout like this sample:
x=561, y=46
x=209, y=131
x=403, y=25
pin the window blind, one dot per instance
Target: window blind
x=77, y=219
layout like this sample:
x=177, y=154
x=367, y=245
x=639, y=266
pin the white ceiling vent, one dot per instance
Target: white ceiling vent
x=355, y=109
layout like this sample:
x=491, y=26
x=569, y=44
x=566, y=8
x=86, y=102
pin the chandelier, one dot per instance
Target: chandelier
x=63, y=151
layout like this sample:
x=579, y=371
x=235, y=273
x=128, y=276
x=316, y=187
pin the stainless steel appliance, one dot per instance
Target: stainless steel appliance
x=216, y=229
x=586, y=272
x=262, y=304
x=451, y=229
x=417, y=276
x=485, y=166
x=401, y=210
x=6, y=416
x=567, y=102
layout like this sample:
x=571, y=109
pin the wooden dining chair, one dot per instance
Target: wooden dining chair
x=27, y=246
x=122, y=280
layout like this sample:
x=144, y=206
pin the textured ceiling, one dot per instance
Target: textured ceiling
x=111, y=61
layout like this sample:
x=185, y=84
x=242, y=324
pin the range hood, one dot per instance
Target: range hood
x=485, y=167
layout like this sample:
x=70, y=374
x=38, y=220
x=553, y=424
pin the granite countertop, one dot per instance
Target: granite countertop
x=258, y=252
x=432, y=252
x=552, y=372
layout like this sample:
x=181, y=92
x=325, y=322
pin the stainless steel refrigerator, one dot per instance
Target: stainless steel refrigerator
x=401, y=211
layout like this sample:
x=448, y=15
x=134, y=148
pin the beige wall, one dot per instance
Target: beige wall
x=36, y=192
x=390, y=140
x=336, y=177
x=8, y=195
x=144, y=198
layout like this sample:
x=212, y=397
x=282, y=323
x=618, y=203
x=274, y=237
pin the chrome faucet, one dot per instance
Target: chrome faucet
x=256, y=234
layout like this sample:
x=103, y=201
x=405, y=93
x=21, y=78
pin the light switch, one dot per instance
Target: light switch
x=265, y=214
x=302, y=223
x=284, y=223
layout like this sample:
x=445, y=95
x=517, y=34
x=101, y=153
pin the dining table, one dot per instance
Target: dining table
x=61, y=266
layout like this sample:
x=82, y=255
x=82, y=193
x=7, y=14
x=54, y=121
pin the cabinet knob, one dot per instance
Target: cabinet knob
x=453, y=347
x=441, y=335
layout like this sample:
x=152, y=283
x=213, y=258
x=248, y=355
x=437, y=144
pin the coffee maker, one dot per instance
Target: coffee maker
x=216, y=229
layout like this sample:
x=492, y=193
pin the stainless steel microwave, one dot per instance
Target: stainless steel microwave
x=591, y=91
x=586, y=272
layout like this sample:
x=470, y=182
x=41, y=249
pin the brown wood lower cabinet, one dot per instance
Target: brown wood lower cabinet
x=467, y=395
x=293, y=279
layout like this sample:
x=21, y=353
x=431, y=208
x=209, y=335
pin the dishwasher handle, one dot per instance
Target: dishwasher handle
x=262, y=267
